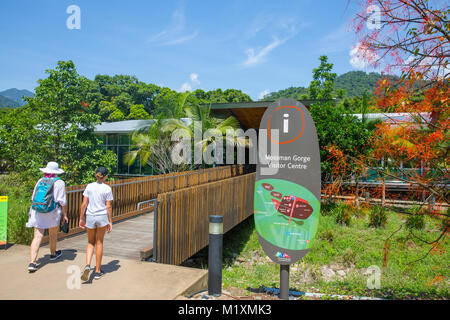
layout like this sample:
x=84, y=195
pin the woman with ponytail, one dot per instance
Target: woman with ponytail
x=96, y=216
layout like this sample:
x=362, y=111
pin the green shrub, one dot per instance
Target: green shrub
x=18, y=188
x=416, y=218
x=17, y=218
x=377, y=217
x=361, y=212
x=327, y=235
x=327, y=208
x=415, y=221
x=343, y=213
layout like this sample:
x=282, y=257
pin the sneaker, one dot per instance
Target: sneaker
x=32, y=267
x=85, y=274
x=98, y=275
x=56, y=255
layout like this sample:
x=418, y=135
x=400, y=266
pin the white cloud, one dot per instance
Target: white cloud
x=263, y=94
x=361, y=57
x=280, y=32
x=175, y=33
x=194, y=78
x=185, y=87
x=254, y=59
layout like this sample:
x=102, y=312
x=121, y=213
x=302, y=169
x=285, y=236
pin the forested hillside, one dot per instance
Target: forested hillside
x=7, y=103
x=16, y=96
x=354, y=83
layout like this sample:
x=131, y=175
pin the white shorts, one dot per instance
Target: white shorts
x=96, y=221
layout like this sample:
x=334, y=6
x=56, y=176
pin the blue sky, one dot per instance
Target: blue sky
x=255, y=46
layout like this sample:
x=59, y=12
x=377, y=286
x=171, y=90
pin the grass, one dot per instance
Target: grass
x=19, y=202
x=346, y=249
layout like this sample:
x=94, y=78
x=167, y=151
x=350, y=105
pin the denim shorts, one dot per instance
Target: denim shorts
x=94, y=221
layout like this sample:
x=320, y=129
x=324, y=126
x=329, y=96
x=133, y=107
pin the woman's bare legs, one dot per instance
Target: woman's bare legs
x=91, y=244
x=53, y=235
x=99, y=247
x=34, y=248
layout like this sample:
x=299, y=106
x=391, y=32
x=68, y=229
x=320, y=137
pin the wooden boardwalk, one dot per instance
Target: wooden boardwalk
x=126, y=240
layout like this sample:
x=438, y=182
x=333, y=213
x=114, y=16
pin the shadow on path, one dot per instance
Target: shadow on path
x=106, y=268
x=67, y=254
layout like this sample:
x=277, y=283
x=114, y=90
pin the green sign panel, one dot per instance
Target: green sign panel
x=3, y=220
x=287, y=186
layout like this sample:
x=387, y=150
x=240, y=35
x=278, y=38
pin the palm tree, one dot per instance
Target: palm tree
x=216, y=127
x=153, y=146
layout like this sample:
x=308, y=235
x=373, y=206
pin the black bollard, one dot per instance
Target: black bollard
x=284, y=281
x=215, y=256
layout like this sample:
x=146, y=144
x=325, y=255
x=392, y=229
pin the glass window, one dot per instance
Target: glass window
x=124, y=139
x=147, y=170
x=112, y=139
x=135, y=168
x=122, y=167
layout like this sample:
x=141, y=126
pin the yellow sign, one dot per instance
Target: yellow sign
x=3, y=220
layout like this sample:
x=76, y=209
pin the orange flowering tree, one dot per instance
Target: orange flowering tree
x=410, y=38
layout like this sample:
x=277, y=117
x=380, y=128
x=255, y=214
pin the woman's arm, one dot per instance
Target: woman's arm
x=109, y=210
x=60, y=197
x=84, y=205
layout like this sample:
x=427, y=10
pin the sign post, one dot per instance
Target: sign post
x=3, y=220
x=287, y=186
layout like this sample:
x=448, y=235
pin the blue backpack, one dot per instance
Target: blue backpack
x=43, y=200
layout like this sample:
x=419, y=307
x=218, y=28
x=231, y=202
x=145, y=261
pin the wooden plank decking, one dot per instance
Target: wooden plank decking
x=127, y=239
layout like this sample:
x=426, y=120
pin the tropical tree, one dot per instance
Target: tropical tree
x=216, y=128
x=64, y=126
x=322, y=85
x=153, y=145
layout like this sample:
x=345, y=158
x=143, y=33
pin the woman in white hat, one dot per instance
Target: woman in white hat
x=47, y=215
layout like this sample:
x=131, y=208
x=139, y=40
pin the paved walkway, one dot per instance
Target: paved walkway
x=126, y=240
x=124, y=278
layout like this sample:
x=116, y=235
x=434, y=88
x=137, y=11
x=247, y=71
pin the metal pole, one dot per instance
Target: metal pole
x=155, y=230
x=215, y=255
x=284, y=281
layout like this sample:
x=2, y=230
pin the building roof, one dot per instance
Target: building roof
x=250, y=114
x=126, y=126
x=393, y=118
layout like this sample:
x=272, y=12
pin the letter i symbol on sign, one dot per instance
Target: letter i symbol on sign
x=286, y=123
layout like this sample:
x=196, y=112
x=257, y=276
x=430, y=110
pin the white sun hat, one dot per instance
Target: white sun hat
x=52, y=168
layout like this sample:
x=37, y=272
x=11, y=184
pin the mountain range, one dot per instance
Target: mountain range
x=12, y=98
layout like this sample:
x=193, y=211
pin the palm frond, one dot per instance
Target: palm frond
x=169, y=125
x=130, y=157
x=228, y=123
